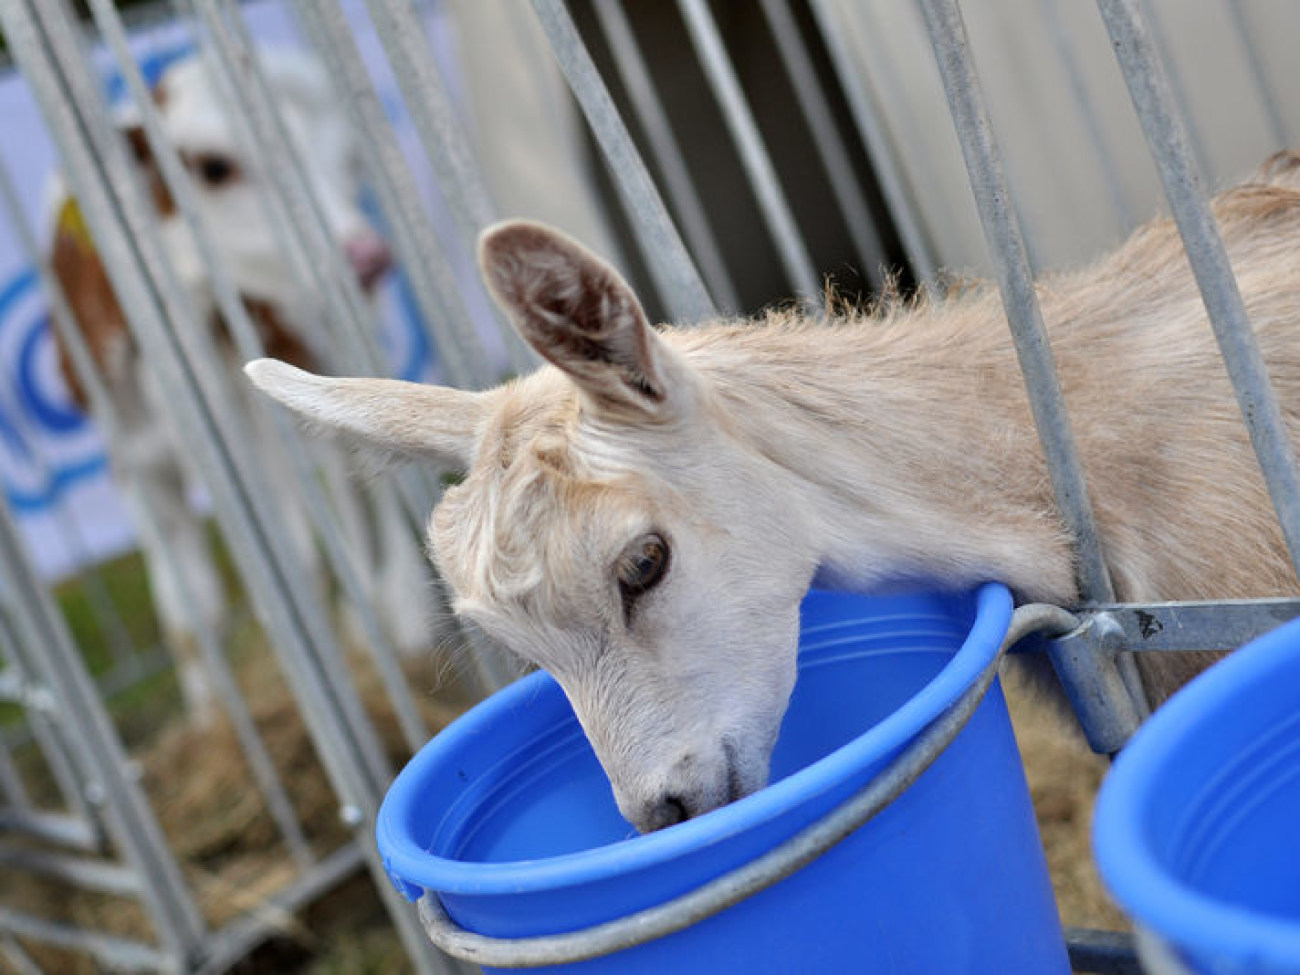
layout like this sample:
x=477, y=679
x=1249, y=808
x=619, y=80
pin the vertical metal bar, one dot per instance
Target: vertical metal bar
x=12, y=790
x=773, y=206
x=49, y=647
x=858, y=219
x=231, y=47
x=1264, y=90
x=249, y=345
x=117, y=214
x=238, y=64
x=1177, y=89
x=984, y=164
x=446, y=144
x=1168, y=140
x=415, y=240
x=19, y=959
x=674, y=273
x=58, y=756
x=1068, y=56
x=880, y=146
x=644, y=97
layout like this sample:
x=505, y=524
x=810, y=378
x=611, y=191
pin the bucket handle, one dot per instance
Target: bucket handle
x=757, y=875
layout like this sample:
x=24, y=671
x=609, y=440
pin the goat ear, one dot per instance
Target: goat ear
x=577, y=312
x=395, y=417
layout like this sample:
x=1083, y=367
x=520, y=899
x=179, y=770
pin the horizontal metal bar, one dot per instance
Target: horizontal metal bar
x=98, y=875
x=1222, y=625
x=61, y=829
x=229, y=944
x=117, y=954
x=1102, y=952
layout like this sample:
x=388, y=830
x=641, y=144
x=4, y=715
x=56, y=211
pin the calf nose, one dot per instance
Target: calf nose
x=369, y=256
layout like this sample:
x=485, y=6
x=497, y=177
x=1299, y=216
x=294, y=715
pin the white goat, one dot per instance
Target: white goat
x=643, y=519
x=150, y=461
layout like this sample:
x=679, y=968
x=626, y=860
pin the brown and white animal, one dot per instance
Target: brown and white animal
x=642, y=517
x=149, y=461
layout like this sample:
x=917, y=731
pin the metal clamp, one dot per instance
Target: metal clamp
x=757, y=875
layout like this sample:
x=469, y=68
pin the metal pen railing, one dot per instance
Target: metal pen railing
x=1094, y=659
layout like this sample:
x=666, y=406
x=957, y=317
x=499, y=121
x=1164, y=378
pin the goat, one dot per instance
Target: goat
x=149, y=462
x=642, y=516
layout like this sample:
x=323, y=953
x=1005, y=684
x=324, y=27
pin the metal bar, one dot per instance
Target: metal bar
x=103, y=759
x=1264, y=90
x=234, y=66
x=1102, y=952
x=430, y=278
x=50, y=738
x=1037, y=364
x=1168, y=141
x=237, y=63
x=663, y=144
x=233, y=942
x=249, y=346
x=762, y=872
x=117, y=954
x=676, y=279
x=1067, y=55
x=880, y=146
x=446, y=144
x=1176, y=627
x=14, y=954
x=853, y=206
x=1177, y=90
x=13, y=793
x=95, y=875
x=757, y=163
x=103, y=180
x=1015, y=280
x=52, y=827
x=117, y=214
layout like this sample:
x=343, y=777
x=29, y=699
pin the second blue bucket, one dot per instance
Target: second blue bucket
x=508, y=819
x=1197, y=829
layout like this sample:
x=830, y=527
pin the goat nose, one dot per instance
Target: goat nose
x=369, y=256
x=666, y=811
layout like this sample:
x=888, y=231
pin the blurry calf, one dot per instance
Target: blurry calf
x=150, y=460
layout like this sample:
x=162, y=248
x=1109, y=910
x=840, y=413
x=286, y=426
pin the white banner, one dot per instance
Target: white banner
x=52, y=462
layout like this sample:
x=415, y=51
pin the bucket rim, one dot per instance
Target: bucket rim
x=414, y=866
x=1171, y=909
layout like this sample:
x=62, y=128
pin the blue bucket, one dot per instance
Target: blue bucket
x=1197, y=826
x=507, y=818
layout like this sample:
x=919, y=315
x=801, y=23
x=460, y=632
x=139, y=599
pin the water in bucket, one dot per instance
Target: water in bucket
x=508, y=819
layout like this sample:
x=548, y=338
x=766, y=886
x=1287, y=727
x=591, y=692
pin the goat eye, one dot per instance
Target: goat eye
x=642, y=567
x=215, y=169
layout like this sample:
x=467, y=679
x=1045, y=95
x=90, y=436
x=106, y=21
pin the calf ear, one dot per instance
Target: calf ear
x=153, y=178
x=395, y=417
x=578, y=313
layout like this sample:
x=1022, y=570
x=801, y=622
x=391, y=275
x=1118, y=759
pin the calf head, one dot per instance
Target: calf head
x=228, y=189
x=609, y=529
x=229, y=184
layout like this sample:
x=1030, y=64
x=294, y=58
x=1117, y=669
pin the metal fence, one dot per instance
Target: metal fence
x=80, y=812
